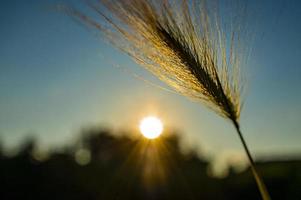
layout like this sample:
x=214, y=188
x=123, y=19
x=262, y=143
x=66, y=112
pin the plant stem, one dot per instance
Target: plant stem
x=260, y=184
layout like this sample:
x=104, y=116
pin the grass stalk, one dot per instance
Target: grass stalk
x=259, y=181
x=186, y=45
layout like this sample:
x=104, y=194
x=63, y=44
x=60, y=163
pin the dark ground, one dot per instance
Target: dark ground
x=124, y=168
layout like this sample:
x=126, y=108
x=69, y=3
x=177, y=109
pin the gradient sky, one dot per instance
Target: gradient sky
x=57, y=77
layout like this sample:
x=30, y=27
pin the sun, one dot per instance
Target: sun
x=151, y=127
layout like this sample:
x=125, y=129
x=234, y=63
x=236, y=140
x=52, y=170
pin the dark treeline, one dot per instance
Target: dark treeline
x=102, y=166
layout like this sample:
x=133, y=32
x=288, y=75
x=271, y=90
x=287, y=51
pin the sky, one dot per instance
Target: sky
x=57, y=77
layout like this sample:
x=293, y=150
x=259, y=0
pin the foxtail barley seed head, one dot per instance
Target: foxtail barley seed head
x=181, y=42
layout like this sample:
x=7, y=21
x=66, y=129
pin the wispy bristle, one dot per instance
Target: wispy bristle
x=181, y=42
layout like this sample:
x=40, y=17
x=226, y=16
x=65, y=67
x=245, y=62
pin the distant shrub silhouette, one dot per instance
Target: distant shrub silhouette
x=133, y=168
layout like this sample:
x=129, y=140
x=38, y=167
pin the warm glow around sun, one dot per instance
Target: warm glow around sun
x=151, y=127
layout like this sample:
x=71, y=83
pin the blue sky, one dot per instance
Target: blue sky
x=57, y=77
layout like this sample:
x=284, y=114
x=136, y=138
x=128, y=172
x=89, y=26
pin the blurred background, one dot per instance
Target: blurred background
x=102, y=165
x=71, y=106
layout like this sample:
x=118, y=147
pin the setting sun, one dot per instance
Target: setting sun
x=151, y=127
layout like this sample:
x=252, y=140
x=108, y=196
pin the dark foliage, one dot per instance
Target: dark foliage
x=125, y=168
